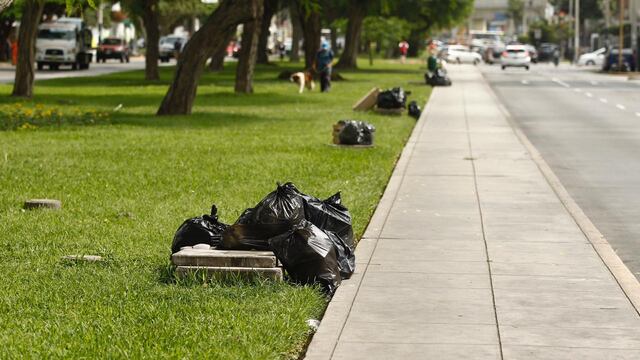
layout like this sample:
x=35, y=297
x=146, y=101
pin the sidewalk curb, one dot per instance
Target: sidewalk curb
x=623, y=276
x=325, y=340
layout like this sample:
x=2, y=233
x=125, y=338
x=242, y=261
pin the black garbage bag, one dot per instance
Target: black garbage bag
x=414, y=110
x=283, y=210
x=439, y=78
x=355, y=132
x=392, y=99
x=272, y=216
x=308, y=255
x=284, y=204
x=205, y=229
x=330, y=215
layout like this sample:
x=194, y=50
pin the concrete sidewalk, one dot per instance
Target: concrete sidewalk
x=472, y=255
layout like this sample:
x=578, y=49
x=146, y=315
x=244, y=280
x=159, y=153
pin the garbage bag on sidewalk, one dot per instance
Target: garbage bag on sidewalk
x=308, y=255
x=355, y=132
x=392, y=99
x=414, y=110
x=205, y=229
x=439, y=78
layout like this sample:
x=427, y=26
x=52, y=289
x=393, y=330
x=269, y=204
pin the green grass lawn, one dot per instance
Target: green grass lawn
x=127, y=185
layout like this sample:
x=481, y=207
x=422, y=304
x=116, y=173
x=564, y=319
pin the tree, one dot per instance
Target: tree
x=182, y=92
x=516, y=11
x=5, y=4
x=150, y=20
x=296, y=33
x=356, y=14
x=428, y=15
x=385, y=31
x=309, y=15
x=248, y=54
x=24, y=77
x=270, y=8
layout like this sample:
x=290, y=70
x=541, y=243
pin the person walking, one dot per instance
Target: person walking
x=404, y=48
x=324, y=60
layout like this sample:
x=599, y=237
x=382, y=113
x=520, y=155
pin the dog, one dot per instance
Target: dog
x=303, y=79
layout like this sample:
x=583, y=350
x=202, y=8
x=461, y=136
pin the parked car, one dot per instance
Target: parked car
x=515, y=56
x=611, y=60
x=546, y=52
x=593, y=58
x=168, y=46
x=113, y=48
x=533, y=53
x=462, y=54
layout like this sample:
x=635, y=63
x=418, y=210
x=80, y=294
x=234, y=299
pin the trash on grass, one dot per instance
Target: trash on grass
x=353, y=132
x=309, y=256
x=395, y=98
x=312, y=238
x=205, y=229
x=414, y=110
x=313, y=324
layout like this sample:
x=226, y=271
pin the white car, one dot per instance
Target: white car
x=461, y=54
x=593, y=58
x=515, y=56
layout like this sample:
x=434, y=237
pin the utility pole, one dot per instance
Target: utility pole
x=620, y=34
x=576, y=38
x=633, y=19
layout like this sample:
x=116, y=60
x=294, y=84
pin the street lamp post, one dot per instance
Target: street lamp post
x=576, y=36
x=620, y=33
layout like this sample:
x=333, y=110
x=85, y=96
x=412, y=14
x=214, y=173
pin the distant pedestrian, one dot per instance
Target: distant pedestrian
x=404, y=48
x=282, y=50
x=324, y=60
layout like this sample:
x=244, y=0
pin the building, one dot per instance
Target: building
x=494, y=15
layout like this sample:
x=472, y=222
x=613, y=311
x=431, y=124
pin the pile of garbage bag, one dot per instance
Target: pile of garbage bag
x=414, y=110
x=354, y=132
x=395, y=98
x=312, y=238
x=437, y=78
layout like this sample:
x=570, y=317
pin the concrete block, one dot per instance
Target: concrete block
x=42, y=204
x=247, y=273
x=224, y=258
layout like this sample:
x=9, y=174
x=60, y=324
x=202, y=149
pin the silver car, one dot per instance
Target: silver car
x=515, y=56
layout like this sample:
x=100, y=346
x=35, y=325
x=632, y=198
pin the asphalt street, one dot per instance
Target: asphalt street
x=7, y=73
x=587, y=127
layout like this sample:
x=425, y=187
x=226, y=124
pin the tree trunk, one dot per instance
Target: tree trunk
x=311, y=33
x=182, y=92
x=248, y=56
x=152, y=30
x=31, y=14
x=296, y=33
x=217, y=58
x=334, y=39
x=270, y=7
x=348, y=59
x=415, y=42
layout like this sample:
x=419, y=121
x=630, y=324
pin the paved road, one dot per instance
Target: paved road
x=587, y=127
x=7, y=73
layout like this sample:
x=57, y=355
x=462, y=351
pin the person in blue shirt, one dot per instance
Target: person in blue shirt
x=324, y=60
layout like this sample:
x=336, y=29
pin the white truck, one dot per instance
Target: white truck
x=65, y=41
